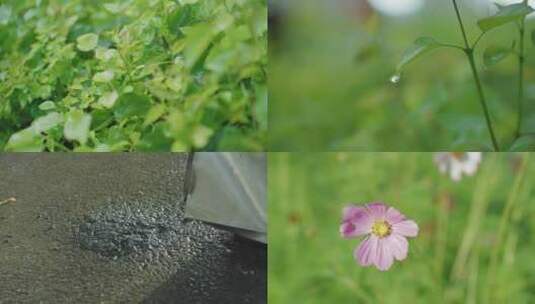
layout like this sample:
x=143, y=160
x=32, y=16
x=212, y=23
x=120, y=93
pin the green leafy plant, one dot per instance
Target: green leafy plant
x=157, y=75
x=513, y=13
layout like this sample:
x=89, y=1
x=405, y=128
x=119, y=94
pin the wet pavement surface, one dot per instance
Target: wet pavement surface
x=109, y=228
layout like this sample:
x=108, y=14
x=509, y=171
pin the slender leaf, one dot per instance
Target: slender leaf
x=421, y=46
x=524, y=143
x=506, y=14
x=47, y=105
x=494, y=54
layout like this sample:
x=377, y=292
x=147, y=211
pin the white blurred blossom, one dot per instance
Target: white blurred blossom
x=397, y=7
x=455, y=164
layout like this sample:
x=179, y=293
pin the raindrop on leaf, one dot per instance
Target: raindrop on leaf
x=395, y=79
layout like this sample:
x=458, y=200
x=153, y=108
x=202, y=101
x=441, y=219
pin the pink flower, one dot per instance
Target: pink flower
x=386, y=231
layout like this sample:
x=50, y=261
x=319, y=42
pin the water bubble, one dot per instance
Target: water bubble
x=395, y=79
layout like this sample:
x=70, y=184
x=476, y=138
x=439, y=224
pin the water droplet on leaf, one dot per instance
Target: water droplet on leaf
x=395, y=79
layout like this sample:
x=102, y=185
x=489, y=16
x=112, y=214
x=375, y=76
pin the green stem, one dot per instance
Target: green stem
x=505, y=219
x=441, y=238
x=452, y=46
x=126, y=63
x=471, y=293
x=521, y=60
x=461, y=23
x=470, y=54
x=478, y=210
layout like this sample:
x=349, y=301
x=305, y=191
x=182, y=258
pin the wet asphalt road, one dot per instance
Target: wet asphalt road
x=108, y=228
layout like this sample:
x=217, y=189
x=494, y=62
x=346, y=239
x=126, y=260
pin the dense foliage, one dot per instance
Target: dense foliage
x=128, y=75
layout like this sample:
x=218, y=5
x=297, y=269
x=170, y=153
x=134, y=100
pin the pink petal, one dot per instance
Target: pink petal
x=357, y=222
x=393, y=216
x=366, y=252
x=348, y=230
x=406, y=228
x=398, y=245
x=384, y=256
x=351, y=212
x=377, y=210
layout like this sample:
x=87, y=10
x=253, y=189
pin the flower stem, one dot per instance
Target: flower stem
x=521, y=60
x=461, y=23
x=505, y=220
x=441, y=238
x=470, y=54
x=478, y=209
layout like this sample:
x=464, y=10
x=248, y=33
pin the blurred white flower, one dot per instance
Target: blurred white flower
x=397, y=7
x=458, y=163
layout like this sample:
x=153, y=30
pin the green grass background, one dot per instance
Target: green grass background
x=471, y=247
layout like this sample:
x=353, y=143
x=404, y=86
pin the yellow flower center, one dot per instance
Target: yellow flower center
x=381, y=229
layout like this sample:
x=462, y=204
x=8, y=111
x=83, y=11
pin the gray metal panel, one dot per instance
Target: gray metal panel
x=230, y=190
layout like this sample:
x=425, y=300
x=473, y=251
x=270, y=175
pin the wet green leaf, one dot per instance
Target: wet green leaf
x=105, y=54
x=155, y=139
x=47, y=105
x=105, y=76
x=421, y=46
x=182, y=16
x=198, y=38
x=494, y=54
x=26, y=140
x=506, y=14
x=47, y=122
x=524, y=143
x=154, y=114
x=87, y=42
x=108, y=100
x=132, y=105
x=77, y=126
x=201, y=135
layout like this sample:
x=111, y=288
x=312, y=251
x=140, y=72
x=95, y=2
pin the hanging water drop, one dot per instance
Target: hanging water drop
x=395, y=79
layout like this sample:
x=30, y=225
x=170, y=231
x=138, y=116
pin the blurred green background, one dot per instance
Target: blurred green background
x=330, y=65
x=471, y=247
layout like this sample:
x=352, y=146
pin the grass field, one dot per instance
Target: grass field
x=475, y=243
